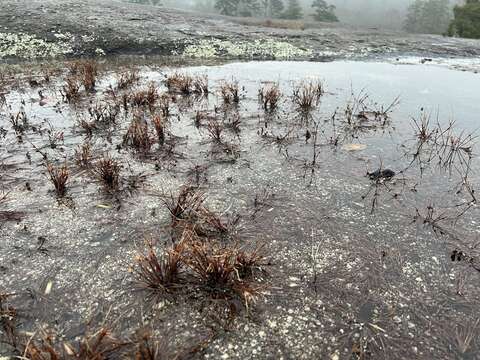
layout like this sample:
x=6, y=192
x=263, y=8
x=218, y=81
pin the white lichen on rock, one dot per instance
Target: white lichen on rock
x=27, y=46
x=269, y=48
x=100, y=52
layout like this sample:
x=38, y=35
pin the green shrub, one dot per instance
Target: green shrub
x=466, y=22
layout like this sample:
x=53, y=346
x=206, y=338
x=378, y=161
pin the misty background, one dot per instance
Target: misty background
x=383, y=14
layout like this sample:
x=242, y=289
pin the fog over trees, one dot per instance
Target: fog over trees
x=420, y=16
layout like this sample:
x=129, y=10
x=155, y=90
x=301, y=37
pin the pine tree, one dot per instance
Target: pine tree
x=272, y=8
x=248, y=7
x=428, y=16
x=237, y=7
x=324, y=12
x=294, y=10
x=466, y=22
x=227, y=7
x=276, y=7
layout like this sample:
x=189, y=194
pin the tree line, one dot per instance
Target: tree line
x=291, y=9
x=438, y=17
x=276, y=9
x=423, y=16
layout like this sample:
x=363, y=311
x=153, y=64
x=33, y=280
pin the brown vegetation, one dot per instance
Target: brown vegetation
x=269, y=96
x=59, y=177
x=107, y=170
x=138, y=136
x=307, y=95
x=127, y=79
x=230, y=93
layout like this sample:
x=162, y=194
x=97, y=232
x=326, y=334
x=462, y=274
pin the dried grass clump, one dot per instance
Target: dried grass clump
x=230, y=93
x=19, y=121
x=164, y=104
x=218, y=273
x=89, y=74
x=162, y=274
x=307, y=95
x=138, y=136
x=180, y=83
x=188, y=209
x=195, y=264
x=3, y=99
x=422, y=128
x=215, y=131
x=87, y=126
x=86, y=71
x=147, y=97
x=187, y=201
x=270, y=96
x=59, y=177
x=200, y=85
x=108, y=172
x=104, y=113
x=83, y=156
x=185, y=84
x=100, y=345
x=159, y=124
x=148, y=348
x=8, y=321
x=71, y=90
x=127, y=79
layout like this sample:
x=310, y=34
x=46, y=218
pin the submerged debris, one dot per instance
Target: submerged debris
x=381, y=174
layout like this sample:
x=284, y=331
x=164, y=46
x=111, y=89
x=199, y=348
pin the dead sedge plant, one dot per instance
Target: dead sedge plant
x=233, y=123
x=107, y=170
x=422, y=128
x=222, y=271
x=160, y=275
x=187, y=200
x=454, y=150
x=145, y=98
x=3, y=100
x=138, y=136
x=270, y=96
x=86, y=71
x=187, y=209
x=164, y=104
x=200, y=85
x=100, y=345
x=307, y=95
x=89, y=75
x=88, y=127
x=59, y=178
x=230, y=93
x=185, y=84
x=104, y=113
x=215, y=130
x=71, y=89
x=159, y=124
x=361, y=113
x=179, y=83
x=8, y=321
x=442, y=145
x=83, y=156
x=127, y=79
x=19, y=122
x=148, y=347
x=200, y=117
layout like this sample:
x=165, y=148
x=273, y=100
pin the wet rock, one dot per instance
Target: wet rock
x=381, y=174
x=85, y=27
